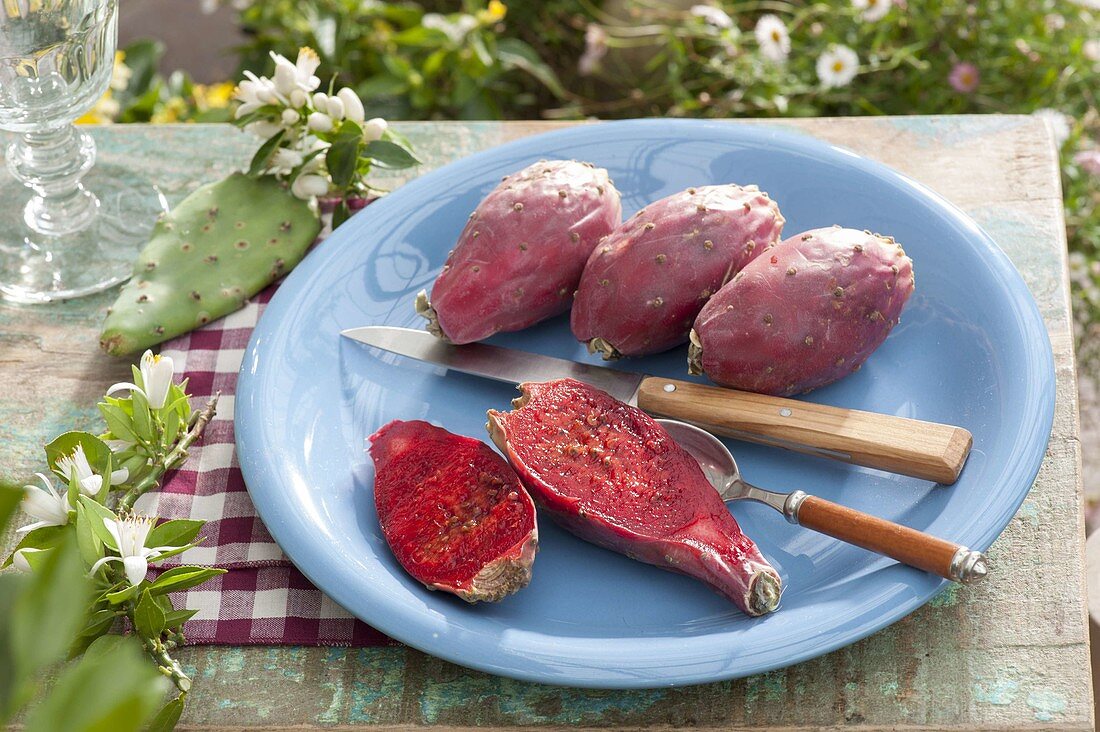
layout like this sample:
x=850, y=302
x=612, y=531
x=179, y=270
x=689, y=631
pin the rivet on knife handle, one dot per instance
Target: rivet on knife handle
x=912, y=447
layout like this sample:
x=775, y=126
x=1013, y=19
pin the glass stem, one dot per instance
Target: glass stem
x=51, y=163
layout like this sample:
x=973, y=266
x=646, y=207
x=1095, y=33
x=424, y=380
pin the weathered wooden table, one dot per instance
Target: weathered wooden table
x=1011, y=653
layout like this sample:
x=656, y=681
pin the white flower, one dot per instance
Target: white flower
x=710, y=14
x=77, y=465
x=19, y=559
x=837, y=66
x=1056, y=122
x=285, y=160
x=456, y=30
x=353, y=106
x=335, y=107
x=253, y=93
x=772, y=36
x=290, y=76
x=1091, y=49
x=307, y=186
x=872, y=10
x=374, y=128
x=48, y=506
x=263, y=128
x=290, y=117
x=319, y=122
x=320, y=101
x=121, y=73
x=156, y=375
x=130, y=535
x=595, y=48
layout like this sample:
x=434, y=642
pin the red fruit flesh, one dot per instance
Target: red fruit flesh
x=612, y=475
x=521, y=254
x=452, y=511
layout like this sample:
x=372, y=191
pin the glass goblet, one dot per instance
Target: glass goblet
x=67, y=228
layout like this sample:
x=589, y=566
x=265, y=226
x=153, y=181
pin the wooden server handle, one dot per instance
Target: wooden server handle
x=913, y=447
x=908, y=546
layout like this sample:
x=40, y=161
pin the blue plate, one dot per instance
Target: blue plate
x=971, y=350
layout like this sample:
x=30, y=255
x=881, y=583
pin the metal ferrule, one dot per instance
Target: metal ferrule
x=792, y=504
x=968, y=566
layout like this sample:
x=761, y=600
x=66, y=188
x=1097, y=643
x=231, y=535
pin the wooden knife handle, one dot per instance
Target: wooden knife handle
x=908, y=546
x=913, y=447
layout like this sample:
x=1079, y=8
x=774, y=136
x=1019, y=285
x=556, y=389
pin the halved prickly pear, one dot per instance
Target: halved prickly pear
x=520, y=256
x=643, y=286
x=808, y=313
x=452, y=511
x=612, y=475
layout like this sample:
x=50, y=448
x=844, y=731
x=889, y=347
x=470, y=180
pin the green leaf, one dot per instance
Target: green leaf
x=176, y=618
x=96, y=510
x=50, y=610
x=174, y=533
x=383, y=85
x=112, y=689
x=95, y=450
x=46, y=537
x=10, y=497
x=515, y=54
x=87, y=540
x=139, y=380
x=264, y=153
x=171, y=428
x=178, y=550
x=182, y=578
x=121, y=596
x=15, y=689
x=118, y=422
x=99, y=623
x=168, y=716
x=143, y=420
x=148, y=617
x=389, y=154
x=340, y=214
x=343, y=154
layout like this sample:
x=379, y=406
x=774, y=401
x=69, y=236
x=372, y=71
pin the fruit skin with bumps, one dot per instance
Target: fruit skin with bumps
x=808, y=313
x=218, y=247
x=609, y=473
x=520, y=256
x=643, y=286
x=453, y=512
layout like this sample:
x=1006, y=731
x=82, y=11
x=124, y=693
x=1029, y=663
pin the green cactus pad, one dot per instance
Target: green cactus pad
x=217, y=248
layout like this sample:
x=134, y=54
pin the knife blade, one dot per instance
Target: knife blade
x=927, y=450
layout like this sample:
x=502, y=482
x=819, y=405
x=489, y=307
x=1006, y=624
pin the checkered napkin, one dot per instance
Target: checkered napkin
x=262, y=598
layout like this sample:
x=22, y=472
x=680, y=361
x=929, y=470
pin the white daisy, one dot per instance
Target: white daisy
x=837, y=66
x=872, y=10
x=772, y=36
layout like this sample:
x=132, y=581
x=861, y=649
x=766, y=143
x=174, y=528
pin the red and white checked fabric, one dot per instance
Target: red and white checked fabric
x=262, y=598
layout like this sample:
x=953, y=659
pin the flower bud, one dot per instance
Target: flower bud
x=19, y=559
x=353, y=106
x=308, y=186
x=373, y=129
x=298, y=98
x=290, y=117
x=335, y=107
x=320, y=122
x=320, y=101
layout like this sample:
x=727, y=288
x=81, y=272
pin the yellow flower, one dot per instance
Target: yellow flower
x=169, y=112
x=494, y=13
x=214, y=96
x=102, y=113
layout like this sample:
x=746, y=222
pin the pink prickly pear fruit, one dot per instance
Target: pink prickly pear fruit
x=644, y=285
x=612, y=475
x=453, y=512
x=808, y=313
x=521, y=254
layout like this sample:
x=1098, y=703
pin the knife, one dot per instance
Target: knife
x=912, y=447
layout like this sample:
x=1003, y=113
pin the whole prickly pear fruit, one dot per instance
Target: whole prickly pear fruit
x=453, y=512
x=643, y=286
x=220, y=246
x=805, y=314
x=520, y=256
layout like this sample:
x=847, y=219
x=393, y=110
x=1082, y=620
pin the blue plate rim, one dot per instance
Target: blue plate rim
x=1038, y=354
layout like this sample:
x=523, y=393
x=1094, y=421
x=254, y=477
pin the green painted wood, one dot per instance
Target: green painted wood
x=1009, y=654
